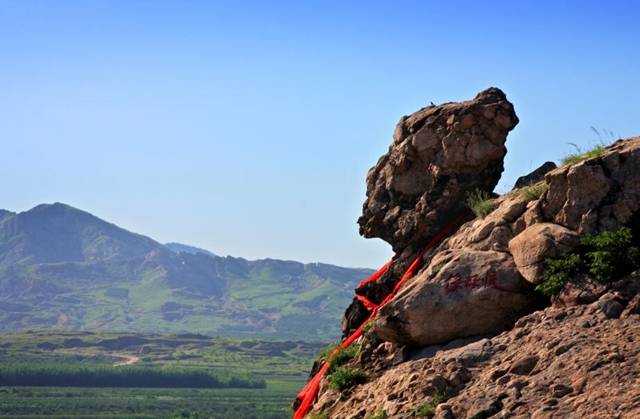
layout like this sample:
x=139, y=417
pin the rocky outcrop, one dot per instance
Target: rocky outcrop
x=438, y=155
x=601, y=193
x=450, y=298
x=535, y=176
x=573, y=362
x=473, y=292
x=470, y=284
x=469, y=326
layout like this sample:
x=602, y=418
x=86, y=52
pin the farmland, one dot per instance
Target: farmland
x=278, y=366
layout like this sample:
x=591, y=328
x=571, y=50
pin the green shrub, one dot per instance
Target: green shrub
x=318, y=415
x=344, y=356
x=367, y=326
x=580, y=155
x=604, y=256
x=532, y=192
x=611, y=254
x=428, y=410
x=557, y=272
x=345, y=377
x=480, y=203
x=380, y=414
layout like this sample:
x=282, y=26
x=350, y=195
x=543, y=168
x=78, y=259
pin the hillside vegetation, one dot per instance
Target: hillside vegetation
x=64, y=268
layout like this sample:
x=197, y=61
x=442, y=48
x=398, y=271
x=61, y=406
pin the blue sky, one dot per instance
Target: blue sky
x=247, y=128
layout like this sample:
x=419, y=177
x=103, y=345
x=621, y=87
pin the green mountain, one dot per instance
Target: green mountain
x=61, y=267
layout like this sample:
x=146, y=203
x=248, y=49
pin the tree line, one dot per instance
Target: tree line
x=52, y=375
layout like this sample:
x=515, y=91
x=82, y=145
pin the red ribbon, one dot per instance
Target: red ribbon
x=308, y=394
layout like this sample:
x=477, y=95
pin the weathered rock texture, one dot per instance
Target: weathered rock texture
x=598, y=194
x=474, y=292
x=438, y=155
x=573, y=362
x=452, y=298
x=530, y=248
x=578, y=358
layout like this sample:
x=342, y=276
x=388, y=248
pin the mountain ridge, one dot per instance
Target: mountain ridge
x=64, y=267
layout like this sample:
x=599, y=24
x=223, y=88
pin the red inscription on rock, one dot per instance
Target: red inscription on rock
x=458, y=281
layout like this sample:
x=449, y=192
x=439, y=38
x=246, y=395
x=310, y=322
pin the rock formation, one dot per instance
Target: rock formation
x=535, y=176
x=469, y=326
x=438, y=155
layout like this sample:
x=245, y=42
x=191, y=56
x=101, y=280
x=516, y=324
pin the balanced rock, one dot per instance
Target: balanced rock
x=439, y=154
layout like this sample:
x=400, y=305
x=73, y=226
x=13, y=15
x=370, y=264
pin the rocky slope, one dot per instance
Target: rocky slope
x=470, y=327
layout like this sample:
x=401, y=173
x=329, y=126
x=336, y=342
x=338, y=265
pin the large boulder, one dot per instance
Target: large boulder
x=536, y=243
x=438, y=155
x=464, y=293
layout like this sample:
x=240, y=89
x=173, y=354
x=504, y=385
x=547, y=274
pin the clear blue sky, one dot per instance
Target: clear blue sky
x=248, y=127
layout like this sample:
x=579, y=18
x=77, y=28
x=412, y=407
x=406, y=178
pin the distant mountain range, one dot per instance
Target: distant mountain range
x=61, y=267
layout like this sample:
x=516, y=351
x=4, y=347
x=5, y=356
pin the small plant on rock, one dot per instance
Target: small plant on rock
x=367, y=326
x=345, y=377
x=557, y=272
x=480, y=203
x=428, y=410
x=580, y=156
x=533, y=192
x=344, y=356
x=604, y=256
x=380, y=414
x=611, y=254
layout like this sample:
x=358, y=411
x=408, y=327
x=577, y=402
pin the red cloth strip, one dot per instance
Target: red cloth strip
x=310, y=391
x=370, y=306
x=376, y=275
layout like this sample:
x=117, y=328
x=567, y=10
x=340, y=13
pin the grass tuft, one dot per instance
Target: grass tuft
x=480, y=203
x=580, y=156
x=428, y=410
x=533, y=192
x=345, y=377
x=344, y=356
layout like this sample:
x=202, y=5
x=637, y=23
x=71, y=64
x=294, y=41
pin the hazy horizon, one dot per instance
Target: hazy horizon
x=248, y=129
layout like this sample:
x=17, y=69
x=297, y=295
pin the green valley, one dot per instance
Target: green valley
x=281, y=366
x=62, y=268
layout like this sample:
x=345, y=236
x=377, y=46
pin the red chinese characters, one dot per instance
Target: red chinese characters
x=457, y=281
